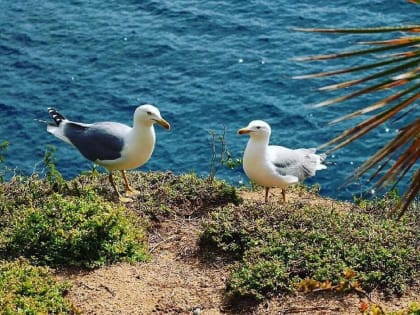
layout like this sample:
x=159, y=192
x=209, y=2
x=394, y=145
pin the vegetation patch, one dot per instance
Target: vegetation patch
x=52, y=229
x=166, y=195
x=275, y=248
x=78, y=223
x=281, y=248
x=25, y=289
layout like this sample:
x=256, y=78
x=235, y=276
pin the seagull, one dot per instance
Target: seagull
x=113, y=145
x=276, y=166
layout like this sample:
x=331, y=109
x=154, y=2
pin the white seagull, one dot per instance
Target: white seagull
x=276, y=166
x=113, y=145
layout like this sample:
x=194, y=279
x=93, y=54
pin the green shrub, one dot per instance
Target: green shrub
x=279, y=246
x=54, y=222
x=67, y=231
x=162, y=194
x=80, y=226
x=53, y=176
x=187, y=195
x=25, y=289
x=258, y=279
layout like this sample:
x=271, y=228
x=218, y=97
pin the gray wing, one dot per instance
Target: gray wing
x=99, y=141
x=301, y=163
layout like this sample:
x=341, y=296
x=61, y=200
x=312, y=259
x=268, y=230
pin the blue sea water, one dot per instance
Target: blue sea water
x=207, y=65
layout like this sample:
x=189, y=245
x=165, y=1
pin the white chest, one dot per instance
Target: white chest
x=259, y=168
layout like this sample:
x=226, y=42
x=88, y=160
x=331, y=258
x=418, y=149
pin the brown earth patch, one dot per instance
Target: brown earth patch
x=180, y=279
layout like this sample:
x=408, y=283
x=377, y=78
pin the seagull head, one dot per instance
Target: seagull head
x=148, y=115
x=256, y=129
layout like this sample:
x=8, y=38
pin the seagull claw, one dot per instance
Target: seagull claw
x=125, y=199
x=132, y=192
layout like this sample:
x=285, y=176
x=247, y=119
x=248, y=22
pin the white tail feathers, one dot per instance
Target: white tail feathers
x=290, y=179
x=321, y=158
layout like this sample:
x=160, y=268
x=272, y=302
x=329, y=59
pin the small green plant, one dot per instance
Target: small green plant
x=370, y=308
x=84, y=232
x=53, y=176
x=220, y=154
x=413, y=309
x=258, y=279
x=25, y=289
x=254, y=186
x=3, y=147
x=381, y=205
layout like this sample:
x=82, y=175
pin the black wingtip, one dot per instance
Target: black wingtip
x=58, y=118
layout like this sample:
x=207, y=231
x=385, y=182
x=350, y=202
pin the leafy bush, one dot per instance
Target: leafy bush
x=258, y=279
x=278, y=247
x=85, y=231
x=78, y=224
x=25, y=289
x=55, y=222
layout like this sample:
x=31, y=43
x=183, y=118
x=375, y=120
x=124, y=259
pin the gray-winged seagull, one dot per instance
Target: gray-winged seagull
x=113, y=145
x=276, y=166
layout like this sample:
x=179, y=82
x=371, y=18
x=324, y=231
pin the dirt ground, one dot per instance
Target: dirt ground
x=179, y=281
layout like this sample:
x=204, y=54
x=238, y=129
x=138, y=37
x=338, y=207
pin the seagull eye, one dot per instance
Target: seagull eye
x=258, y=127
x=149, y=113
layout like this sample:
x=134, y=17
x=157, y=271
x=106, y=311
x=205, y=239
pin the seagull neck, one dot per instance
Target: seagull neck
x=258, y=145
x=144, y=131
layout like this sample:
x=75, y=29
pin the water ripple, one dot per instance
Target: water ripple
x=207, y=65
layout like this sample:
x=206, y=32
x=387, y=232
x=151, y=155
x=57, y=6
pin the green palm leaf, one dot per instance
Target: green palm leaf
x=397, y=72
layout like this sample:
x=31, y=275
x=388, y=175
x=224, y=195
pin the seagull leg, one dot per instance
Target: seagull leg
x=283, y=192
x=129, y=191
x=266, y=193
x=121, y=198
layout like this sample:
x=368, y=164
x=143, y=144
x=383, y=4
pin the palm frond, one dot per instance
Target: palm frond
x=359, y=68
x=396, y=41
x=410, y=194
x=364, y=127
x=398, y=72
x=361, y=30
x=384, y=102
x=370, y=89
x=377, y=75
x=355, y=52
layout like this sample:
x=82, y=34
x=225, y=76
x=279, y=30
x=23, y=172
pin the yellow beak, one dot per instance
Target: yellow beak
x=164, y=123
x=243, y=131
